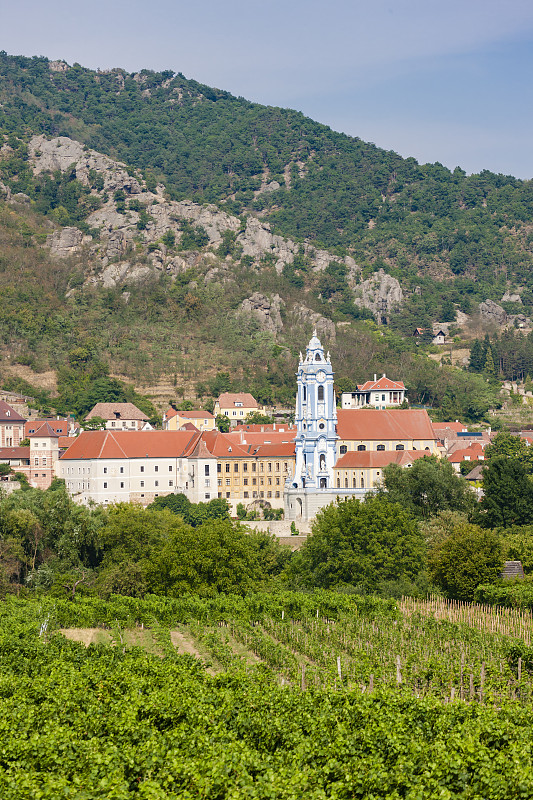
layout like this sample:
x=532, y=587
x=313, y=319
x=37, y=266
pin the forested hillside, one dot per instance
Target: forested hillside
x=180, y=234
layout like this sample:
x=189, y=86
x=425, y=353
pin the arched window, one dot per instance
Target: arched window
x=426, y=448
x=362, y=483
x=322, y=461
x=321, y=394
x=380, y=447
x=354, y=484
x=317, y=357
x=343, y=449
x=338, y=483
x=346, y=483
x=400, y=447
x=361, y=447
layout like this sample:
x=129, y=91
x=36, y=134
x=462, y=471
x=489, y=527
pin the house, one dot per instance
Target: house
x=11, y=426
x=236, y=406
x=364, y=470
x=174, y=420
x=474, y=452
x=44, y=454
x=119, y=416
x=128, y=466
x=18, y=459
x=390, y=429
x=439, y=337
x=381, y=393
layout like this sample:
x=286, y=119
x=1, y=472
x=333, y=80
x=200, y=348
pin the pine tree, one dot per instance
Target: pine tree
x=489, y=367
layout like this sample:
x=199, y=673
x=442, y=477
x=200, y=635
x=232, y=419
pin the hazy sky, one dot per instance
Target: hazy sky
x=440, y=80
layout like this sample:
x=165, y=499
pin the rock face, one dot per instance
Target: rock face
x=511, y=298
x=492, y=312
x=324, y=326
x=381, y=294
x=266, y=311
x=65, y=242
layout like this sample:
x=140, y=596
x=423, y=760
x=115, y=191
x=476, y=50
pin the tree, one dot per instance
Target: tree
x=360, y=544
x=468, y=557
x=256, y=418
x=508, y=494
x=429, y=486
x=489, y=367
x=95, y=424
x=222, y=423
x=511, y=446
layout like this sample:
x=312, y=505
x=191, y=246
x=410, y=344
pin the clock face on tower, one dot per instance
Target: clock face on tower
x=321, y=375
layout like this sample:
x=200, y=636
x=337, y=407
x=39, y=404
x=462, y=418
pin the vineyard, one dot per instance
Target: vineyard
x=269, y=696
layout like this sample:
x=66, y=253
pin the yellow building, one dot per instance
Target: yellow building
x=364, y=469
x=175, y=420
x=236, y=406
x=383, y=430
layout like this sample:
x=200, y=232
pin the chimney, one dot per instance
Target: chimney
x=375, y=377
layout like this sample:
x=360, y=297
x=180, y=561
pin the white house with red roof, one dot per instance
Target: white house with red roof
x=379, y=393
x=474, y=452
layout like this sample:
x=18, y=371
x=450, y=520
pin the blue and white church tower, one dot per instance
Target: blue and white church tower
x=311, y=486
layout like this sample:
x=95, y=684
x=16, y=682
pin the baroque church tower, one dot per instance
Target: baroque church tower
x=316, y=421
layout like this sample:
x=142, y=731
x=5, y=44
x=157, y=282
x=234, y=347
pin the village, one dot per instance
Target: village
x=271, y=470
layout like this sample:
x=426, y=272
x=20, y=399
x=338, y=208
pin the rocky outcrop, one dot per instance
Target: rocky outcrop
x=62, y=153
x=381, y=294
x=266, y=311
x=324, y=327
x=117, y=243
x=511, y=298
x=65, y=242
x=492, y=312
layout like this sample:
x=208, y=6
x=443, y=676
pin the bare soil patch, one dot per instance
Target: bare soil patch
x=87, y=636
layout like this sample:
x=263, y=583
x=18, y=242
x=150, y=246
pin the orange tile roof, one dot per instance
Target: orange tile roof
x=373, y=424
x=44, y=430
x=14, y=452
x=197, y=413
x=381, y=383
x=474, y=452
x=66, y=441
x=61, y=426
x=372, y=459
x=457, y=427
x=130, y=444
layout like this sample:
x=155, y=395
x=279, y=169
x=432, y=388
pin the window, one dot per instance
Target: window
x=206, y=482
x=269, y=494
x=261, y=466
x=361, y=447
x=122, y=470
x=219, y=481
x=207, y=496
x=44, y=462
x=270, y=481
x=219, y=467
x=156, y=483
x=277, y=494
x=105, y=470
x=236, y=467
x=142, y=469
x=245, y=467
x=277, y=466
x=142, y=484
x=112, y=424
x=400, y=447
x=170, y=467
x=343, y=449
x=228, y=481
x=245, y=481
x=36, y=462
x=156, y=468
x=171, y=483
x=254, y=481
x=317, y=357
x=269, y=466
x=286, y=467
x=227, y=467
x=277, y=481
x=105, y=484
x=380, y=447
x=346, y=483
x=121, y=484
x=245, y=494
x=338, y=483
x=254, y=466
x=228, y=494
x=206, y=470
x=320, y=394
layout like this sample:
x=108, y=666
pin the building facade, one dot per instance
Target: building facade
x=379, y=393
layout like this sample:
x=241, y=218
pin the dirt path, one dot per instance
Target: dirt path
x=86, y=636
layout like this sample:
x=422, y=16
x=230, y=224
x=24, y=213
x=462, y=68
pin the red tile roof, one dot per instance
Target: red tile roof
x=381, y=383
x=474, y=452
x=372, y=424
x=44, y=430
x=228, y=399
x=8, y=414
x=372, y=459
x=197, y=413
x=457, y=427
x=130, y=444
x=61, y=426
x=7, y=453
x=66, y=441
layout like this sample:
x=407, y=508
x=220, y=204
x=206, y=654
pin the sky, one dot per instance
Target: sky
x=439, y=80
